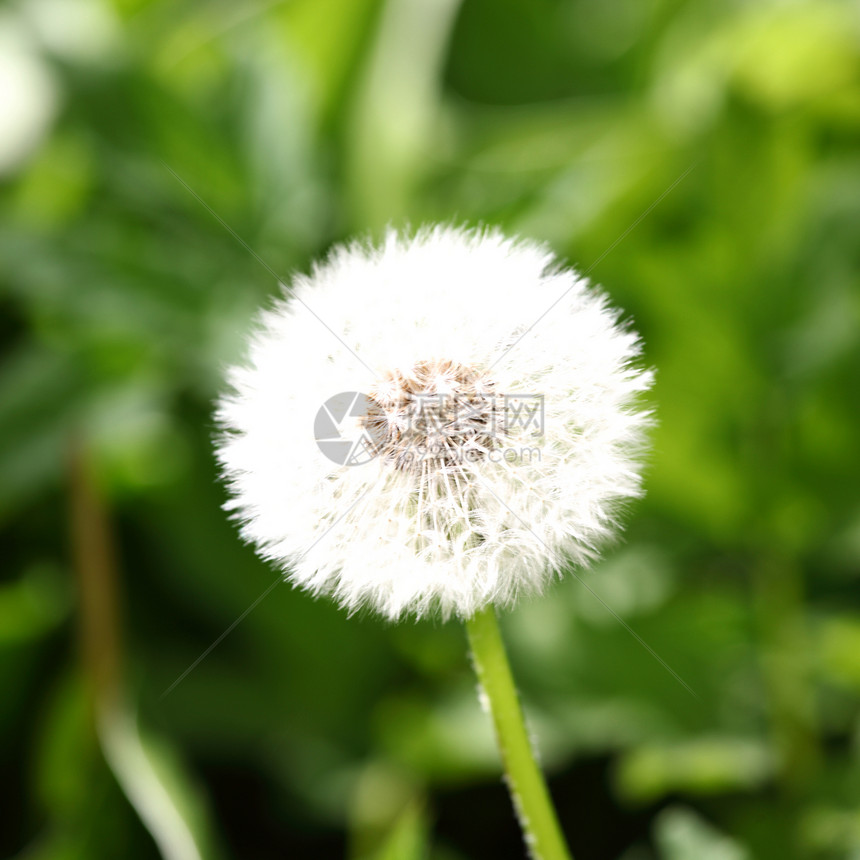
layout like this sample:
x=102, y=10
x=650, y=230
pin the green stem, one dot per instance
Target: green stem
x=528, y=789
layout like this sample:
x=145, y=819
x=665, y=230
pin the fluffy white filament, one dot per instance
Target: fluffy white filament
x=497, y=504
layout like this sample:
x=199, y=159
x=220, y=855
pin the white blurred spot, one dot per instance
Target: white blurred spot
x=28, y=95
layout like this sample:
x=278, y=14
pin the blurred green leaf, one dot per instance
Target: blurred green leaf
x=681, y=835
x=156, y=785
x=32, y=605
x=702, y=766
x=408, y=839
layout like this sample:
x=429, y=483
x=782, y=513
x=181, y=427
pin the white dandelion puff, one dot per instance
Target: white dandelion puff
x=476, y=457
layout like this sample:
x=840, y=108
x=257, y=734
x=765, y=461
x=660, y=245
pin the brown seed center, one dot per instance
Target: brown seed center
x=438, y=414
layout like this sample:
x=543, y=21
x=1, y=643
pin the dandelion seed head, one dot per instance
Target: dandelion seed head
x=483, y=458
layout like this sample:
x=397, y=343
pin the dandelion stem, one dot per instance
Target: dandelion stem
x=529, y=791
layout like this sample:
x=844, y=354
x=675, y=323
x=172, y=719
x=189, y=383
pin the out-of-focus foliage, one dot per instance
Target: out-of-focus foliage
x=700, y=160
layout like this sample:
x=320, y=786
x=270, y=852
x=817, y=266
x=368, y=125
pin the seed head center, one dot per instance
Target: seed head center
x=439, y=413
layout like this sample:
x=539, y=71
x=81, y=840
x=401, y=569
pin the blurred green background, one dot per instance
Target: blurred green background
x=308, y=734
